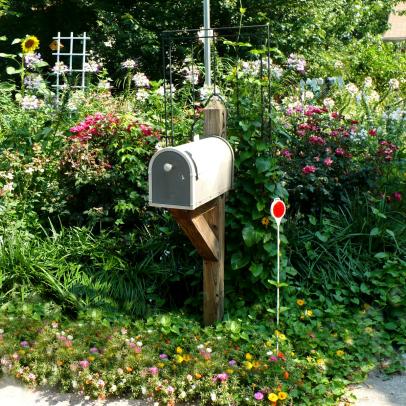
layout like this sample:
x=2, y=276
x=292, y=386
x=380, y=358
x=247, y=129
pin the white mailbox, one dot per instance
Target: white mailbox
x=187, y=176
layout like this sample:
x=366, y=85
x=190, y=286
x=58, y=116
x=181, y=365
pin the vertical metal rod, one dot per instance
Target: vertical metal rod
x=277, y=286
x=268, y=53
x=215, y=67
x=170, y=90
x=261, y=87
x=57, y=64
x=71, y=51
x=207, y=57
x=84, y=60
x=165, y=101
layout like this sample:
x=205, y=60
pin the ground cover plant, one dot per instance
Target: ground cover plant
x=101, y=295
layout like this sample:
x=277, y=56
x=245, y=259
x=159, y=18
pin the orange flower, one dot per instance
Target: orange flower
x=300, y=302
x=128, y=369
x=286, y=375
x=282, y=395
x=197, y=375
x=265, y=221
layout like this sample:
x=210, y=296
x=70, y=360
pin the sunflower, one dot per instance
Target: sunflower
x=30, y=44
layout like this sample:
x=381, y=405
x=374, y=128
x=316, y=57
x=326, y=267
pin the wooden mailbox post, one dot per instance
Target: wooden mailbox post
x=191, y=180
x=205, y=228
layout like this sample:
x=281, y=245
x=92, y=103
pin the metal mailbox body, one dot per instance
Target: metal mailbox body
x=189, y=175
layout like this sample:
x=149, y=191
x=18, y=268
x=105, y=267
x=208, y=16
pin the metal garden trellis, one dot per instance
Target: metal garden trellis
x=69, y=56
x=215, y=38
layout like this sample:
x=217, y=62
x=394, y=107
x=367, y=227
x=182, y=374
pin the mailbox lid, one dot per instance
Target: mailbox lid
x=171, y=188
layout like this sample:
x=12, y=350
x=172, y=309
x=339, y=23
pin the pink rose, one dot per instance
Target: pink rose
x=309, y=169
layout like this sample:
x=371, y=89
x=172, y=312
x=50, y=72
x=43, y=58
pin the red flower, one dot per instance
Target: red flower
x=146, y=130
x=397, y=196
x=309, y=169
x=373, y=132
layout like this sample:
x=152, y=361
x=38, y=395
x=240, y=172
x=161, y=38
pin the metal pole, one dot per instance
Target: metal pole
x=206, y=23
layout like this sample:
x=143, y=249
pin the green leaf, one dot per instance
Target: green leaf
x=256, y=269
x=263, y=164
x=364, y=288
x=13, y=71
x=3, y=38
x=251, y=236
x=16, y=41
x=321, y=237
x=374, y=231
x=7, y=87
x=378, y=213
x=238, y=261
x=312, y=220
x=10, y=56
x=391, y=233
x=381, y=255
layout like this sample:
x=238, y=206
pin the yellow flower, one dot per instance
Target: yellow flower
x=300, y=302
x=340, y=353
x=230, y=371
x=187, y=357
x=265, y=221
x=161, y=364
x=91, y=358
x=197, y=375
x=178, y=358
x=179, y=350
x=282, y=395
x=273, y=397
x=309, y=313
x=30, y=44
x=248, y=365
x=256, y=364
x=248, y=356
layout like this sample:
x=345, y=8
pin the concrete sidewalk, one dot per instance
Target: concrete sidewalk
x=378, y=390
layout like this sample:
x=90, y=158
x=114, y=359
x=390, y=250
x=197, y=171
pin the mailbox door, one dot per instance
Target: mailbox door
x=173, y=187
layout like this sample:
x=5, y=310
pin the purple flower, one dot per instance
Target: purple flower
x=232, y=362
x=24, y=344
x=170, y=389
x=272, y=358
x=153, y=370
x=220, y=377
x=163, y=356
x=258, y=395
x=94, y=350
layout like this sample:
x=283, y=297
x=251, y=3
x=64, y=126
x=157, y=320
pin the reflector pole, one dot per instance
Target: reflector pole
x=206, y=42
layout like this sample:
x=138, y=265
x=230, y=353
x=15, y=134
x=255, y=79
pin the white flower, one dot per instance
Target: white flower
x=109, y=43
x=338, y=65
x=74, y=384
x=60, y=67
x=374, y=96
x=309, y=95
x=1, y=331
x=191, y=75
x=113, y=388
x=8, y=187
x=296, y=63
x=92, y=66
x=104, y=84
x=182, y=395
x=139, y=343
x=142, y=95
x=213, y=397
x=143, y=390
x=277, y=72
x=200, y=346
x=69, y=337
x=209, y=350
x=394, y=84
x=328, y=103
x=368, y=82
x=31, y=103
x=140, y=80
x=129, y=64
x=352, y=89
x=29, y=170
x=269, y=353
